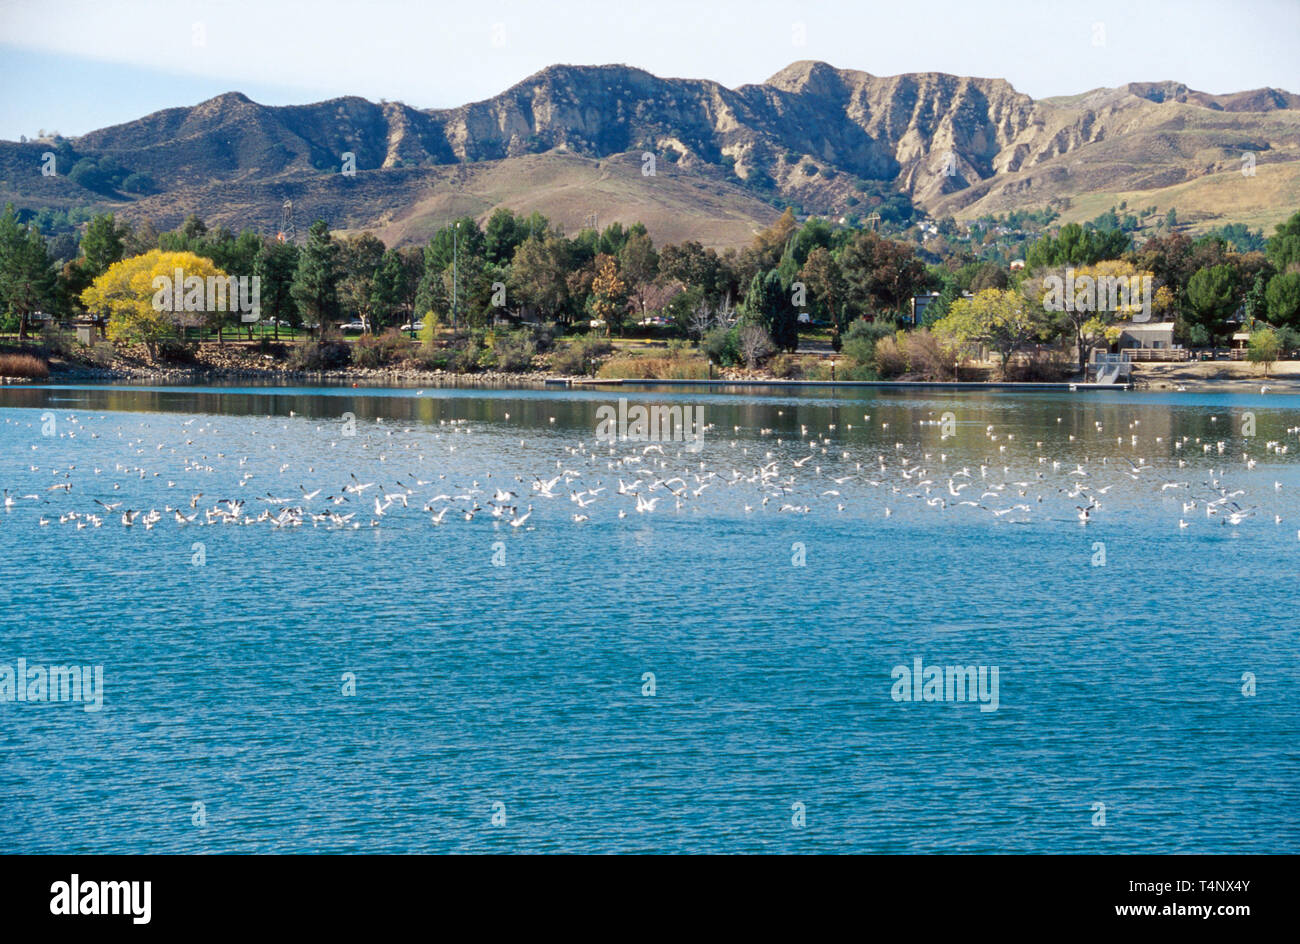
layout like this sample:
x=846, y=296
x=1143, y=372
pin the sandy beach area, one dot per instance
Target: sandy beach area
x=1234, y=376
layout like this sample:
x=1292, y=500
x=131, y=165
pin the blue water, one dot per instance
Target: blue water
x=483, y=690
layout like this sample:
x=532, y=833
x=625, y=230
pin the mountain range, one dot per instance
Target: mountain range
x=690, y=158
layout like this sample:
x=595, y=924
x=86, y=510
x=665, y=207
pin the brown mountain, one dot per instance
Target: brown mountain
x=570, y=141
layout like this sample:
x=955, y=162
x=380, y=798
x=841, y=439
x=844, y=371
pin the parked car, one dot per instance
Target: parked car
x=418, y=326
x=353, y=325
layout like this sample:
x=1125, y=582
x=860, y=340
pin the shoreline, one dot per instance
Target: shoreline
x=1181, y=377
x=397, y=377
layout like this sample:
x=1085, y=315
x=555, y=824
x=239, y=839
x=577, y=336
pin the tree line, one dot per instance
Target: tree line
x=524, y=268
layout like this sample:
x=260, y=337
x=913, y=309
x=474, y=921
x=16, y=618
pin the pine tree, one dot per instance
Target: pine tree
x=315, y=284
x=27, y=278
x=276, y=266
x=103, y=244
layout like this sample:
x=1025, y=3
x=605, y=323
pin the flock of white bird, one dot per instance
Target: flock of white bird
x=744, y=473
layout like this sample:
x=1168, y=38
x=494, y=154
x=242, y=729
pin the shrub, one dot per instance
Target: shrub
x=323, y=354
x=1289, y=339
x=544, y=336
x=1264, y=348
x=1041, y=366
x=722, y=346
x=23, y=365
x=373, y=352
x=175, y=350
x=753, y=344
x=786, y=367
x=432, y=327
x=579, y=356
x=890, y=357
x=428, y=357
x=859, y=349
x=853, y=370
x=514, y=352
x=930, y=356
x=655, y=368
x=821, y=370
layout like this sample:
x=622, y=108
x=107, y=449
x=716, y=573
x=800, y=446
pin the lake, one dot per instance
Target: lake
x=312, y=664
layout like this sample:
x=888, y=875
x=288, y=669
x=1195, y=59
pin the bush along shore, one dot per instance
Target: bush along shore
x=535, y=354
x=871, y=351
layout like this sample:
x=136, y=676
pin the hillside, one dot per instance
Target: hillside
x=568, y=141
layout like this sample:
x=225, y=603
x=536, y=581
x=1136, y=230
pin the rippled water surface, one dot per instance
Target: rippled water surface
x=501, y=671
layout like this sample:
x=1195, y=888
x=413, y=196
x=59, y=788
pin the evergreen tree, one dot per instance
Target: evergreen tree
x=276, y=265
x=388, y=292
x=1212, y=298
x=103, y=244
x=315, y=284
x=27, y=278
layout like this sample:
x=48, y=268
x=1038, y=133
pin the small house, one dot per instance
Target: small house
x=1155, y=336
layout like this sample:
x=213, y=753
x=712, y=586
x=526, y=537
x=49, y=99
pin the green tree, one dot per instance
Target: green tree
x=695, y=267
x=882, y=275
x=103, y=243
x=1283, y=300
x=359, y=260
x=1256, y=299
x=1003, y=319
x=768, y=305
x=276, y=266
x=315, y=284
x=502, y=235
x=1076, y=246
x=638, y=263
x=822, y=276
x=1284, y=245
x=27, y=276
x=389, y=292
x=1264, y=348
x=539, y=276
x=1211, y=299
x=190, y=236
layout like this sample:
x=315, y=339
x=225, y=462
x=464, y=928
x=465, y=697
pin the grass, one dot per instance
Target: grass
x=655, y=368
x=708, y=206
x=23, y=365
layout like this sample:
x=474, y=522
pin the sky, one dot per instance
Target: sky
x=72, y=66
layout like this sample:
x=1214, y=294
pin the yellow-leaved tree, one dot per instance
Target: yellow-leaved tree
x=145, y=297
x=608, y=294
x=1003, y=319
x=1090, y=302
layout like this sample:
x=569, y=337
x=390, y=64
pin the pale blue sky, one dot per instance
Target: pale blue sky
x=73, y=65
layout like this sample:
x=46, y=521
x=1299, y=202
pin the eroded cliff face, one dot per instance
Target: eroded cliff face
x=811, y=134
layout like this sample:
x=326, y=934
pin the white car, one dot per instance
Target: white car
x=418, y=326
x=353, y=326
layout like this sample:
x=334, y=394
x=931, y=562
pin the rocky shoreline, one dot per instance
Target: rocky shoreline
x=66, y=371
x=359, y=375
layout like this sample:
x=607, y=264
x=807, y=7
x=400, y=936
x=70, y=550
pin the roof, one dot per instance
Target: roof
x=1157, y=327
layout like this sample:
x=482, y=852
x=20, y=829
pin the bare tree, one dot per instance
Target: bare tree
x=725, y=315
x=754, y=344
x=700, y=321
